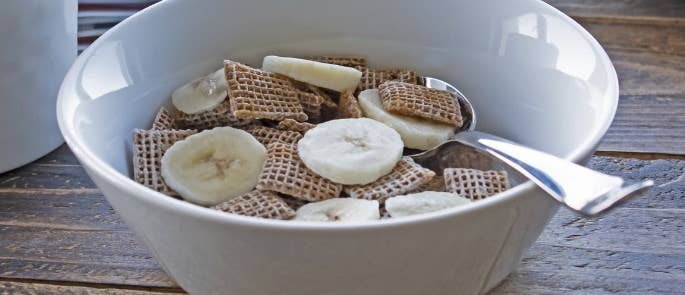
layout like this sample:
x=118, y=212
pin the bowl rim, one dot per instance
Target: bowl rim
x=126, y=185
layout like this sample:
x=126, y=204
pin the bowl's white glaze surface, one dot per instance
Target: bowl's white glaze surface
x=533, y=74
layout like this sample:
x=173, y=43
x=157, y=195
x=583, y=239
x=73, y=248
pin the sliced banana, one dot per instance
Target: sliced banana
x=213, y=166
x=351, y=151
x=202, y=94
x=339, y=210
x=422, y=202
x=324, y=75
x=416, y=133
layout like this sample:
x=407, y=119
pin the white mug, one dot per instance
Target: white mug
x=37, y=47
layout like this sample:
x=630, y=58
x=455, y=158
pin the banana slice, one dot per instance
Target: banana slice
x=351, y=151
x=213, y=166
x=202, y=94
x=416, y=133
x=324, y=75
x=422, y=202
x=339, y=210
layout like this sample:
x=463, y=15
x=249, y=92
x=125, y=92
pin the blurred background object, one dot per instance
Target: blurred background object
x=38, y=47
x=95, y=17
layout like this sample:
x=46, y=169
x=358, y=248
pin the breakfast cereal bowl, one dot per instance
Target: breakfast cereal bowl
x=533, y=75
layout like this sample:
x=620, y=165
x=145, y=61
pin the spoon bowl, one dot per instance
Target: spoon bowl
x=581, y=189
x=468, y=114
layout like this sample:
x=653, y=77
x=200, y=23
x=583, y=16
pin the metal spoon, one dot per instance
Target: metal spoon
x=581, y=189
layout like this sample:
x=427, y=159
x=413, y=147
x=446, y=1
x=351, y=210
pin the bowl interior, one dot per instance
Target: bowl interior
x=533, y=75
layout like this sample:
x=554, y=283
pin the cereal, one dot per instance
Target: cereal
x=264, y=204
x=217, y=117
x=311, y=104
x=420, y=101
x=148, y=148
x=256, y=94
x=437, y=184
x=405, y=177
x=292, y=125
x=357, y=62
x=294, y=203
x=373, y=78
x=475, y=184
x=267, y=135
x=348, y=106
x=285, y=173
x=163, y=120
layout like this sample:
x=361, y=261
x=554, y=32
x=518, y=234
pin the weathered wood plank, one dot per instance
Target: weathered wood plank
x=624, y=229
x=629, y=251
x=88, y=246
x=78, y=255
x=60, y=156
x=637, y=35
x=622, y=8
x=669, y=176
x=42, y=288
x=46, y=177
x=71, y=211
x=62, y=230
x=636, y=249
x=562, y=270
x=650, y=62
x=79, y=238
x=78, y=272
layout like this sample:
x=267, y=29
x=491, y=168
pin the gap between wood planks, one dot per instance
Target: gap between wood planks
x=640, y=155
x=96, y=286
x=51, y=191
x=613, y=19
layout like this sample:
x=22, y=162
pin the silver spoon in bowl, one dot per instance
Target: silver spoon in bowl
x=582, y=189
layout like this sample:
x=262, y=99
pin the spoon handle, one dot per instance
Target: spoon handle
x=582, y=189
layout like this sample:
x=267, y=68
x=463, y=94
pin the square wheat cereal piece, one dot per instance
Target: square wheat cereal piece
x=437, y=184
x=217, y=117
x=314, y=100
x=148, y=148
x=257, y=94
x=264, y=204
x=311, y=103
x=348, y=106
x=284, y=172
x=292, y=125
x=373, y=78
x=163, y=120
x=327, y=100
x=357, y=62
x=294, y=203
x=475, y=184
x=267, y=135
x=420, y=101
x=466, y=157
x=405, y=177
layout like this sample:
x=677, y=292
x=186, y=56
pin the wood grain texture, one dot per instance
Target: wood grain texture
x=622, y=8
x=650, y=61
x=553, y=269
x=638, y=248
x=58, y=235
x=55, y=225
x=79, y=238
x=41, y=288
x=78, y=255
x=668, y=175
x=60, y=156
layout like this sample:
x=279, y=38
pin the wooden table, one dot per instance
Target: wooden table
x=59, y=235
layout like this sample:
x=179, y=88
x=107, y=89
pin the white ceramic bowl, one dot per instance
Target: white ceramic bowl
x=534, y=75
